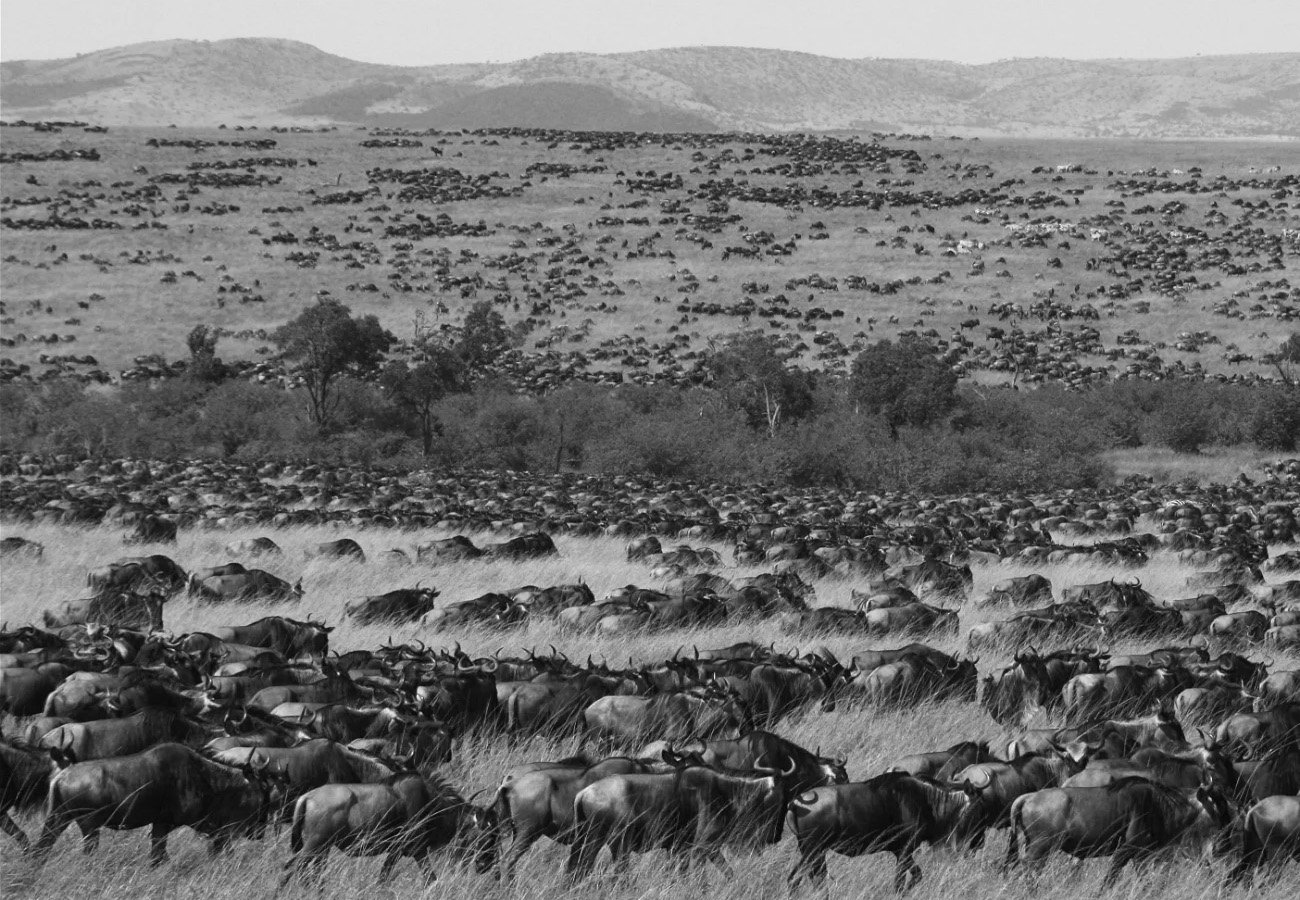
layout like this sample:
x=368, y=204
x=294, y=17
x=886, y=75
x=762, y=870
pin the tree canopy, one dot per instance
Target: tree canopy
x=415, y=388
x=753, y=377
x=903, y=383
x=329, y=343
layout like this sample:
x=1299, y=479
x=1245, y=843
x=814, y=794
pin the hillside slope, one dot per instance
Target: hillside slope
x=271, y=81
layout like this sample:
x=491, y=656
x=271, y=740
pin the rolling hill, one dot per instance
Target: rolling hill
x=260, y=81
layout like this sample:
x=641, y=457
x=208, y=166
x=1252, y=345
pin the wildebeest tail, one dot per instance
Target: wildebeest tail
x=299, y=821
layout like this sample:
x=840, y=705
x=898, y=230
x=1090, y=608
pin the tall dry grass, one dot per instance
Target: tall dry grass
x=870, y=738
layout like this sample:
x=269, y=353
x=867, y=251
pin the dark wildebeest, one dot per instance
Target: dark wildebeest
x=107, y=738
x=20, y=546
x=743, y=754
x=894, y=812
x=693, y=813
x=343, y=548
x=1256, y=733
x=452, y=549
x=404, y=815
x=158, y=569
x=258, y=546
x=1129, y=820
x=994, y=786
x=152, y=529
x=24, y=782
x=309, y=765
x=676, y=716
x=538, y=802
x=167, y=787
x=125, y=609
x=1270, y=831
x=253, y=584
x=526, y=546
x=288, y=637
x=403, y=605
x=942, y=765
x=1023, y=590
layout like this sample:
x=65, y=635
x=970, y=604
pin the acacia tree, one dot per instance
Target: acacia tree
x=204, y=363
x=752, y=377
x=1287, y=359
x=903, y=383
x=484, y=335
x=329, y=343
x=416, y=387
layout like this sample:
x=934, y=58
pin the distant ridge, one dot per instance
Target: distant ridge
x=263, y=81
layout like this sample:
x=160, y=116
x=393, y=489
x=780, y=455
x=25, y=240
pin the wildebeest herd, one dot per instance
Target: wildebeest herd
x=1134, y=723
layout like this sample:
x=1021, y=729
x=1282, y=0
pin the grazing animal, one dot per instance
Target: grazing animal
x=24, y=781
x=1128, y=820
x=166, y=787
x=404, y=815
x=894, y=812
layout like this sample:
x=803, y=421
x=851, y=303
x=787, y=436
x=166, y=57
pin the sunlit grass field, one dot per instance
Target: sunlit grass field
x=870, y=738
x=47, y=273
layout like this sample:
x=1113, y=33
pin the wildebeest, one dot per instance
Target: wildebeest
x=253, y=584
x=404, y=815
x=1023, y=590
x=105, y=738
x=1270, y=830
x=1129, y=820
x=450, y=549
x=289, y=637
x=160, y=570
x=309, y=765
x=343, y=548
x=693, y=813
x=743, y=754
x=894, y=812
x=152, y=529
x=1248, y=734
x=126, y=609
x=942, y=765
x=675, y=716
x=20, y=546
x=258, y=546
x=24, y=781
x=402, y=605
x=526, y=546
x=166, y=787
x=534, y=804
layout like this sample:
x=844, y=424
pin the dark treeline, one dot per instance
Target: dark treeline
x=824, y=432
x=897, y=420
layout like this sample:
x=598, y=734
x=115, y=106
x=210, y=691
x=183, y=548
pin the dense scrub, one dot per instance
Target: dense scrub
x=990, y=439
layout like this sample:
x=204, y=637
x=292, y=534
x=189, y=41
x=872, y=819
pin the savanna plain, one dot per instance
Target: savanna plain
x=245, y=255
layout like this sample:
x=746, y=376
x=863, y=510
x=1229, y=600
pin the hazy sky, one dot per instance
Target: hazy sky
x=410, y=32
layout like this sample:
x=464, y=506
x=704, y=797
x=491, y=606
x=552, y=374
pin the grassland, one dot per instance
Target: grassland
x=53, y=277
x=870, y=738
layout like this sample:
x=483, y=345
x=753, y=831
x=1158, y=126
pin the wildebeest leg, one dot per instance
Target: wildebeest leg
x=518, y=847
x=54, y=826
x=582, y=856
x=10, y=827
x=157, y=842
x=89, y=840
x=906, y=867
x=386, y=870
x=425, y=862
x=715, y=856
x=812, y=863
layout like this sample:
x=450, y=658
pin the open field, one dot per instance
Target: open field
x=869, y=738
x=615, y=247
